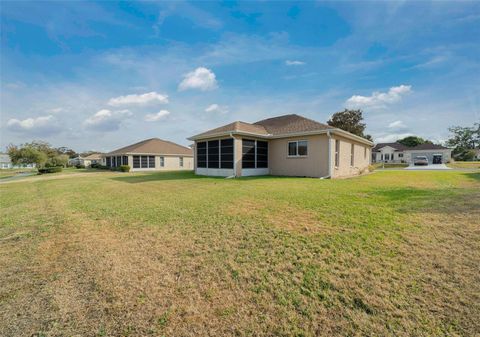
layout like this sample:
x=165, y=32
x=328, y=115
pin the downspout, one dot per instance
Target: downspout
x=329, y=156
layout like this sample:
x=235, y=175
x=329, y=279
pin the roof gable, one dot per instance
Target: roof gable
x=291, y=124
x=396, y=146
x=155, y=146
x=237, y=126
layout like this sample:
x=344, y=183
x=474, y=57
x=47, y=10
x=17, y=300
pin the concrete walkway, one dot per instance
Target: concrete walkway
x=428, y=167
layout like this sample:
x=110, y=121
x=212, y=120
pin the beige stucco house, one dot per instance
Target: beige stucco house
x=289, y=145
x=151, y=155
x=399, y=153
x=87, y=161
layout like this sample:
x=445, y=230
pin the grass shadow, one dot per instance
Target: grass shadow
x=473, y=175
x=414, y=200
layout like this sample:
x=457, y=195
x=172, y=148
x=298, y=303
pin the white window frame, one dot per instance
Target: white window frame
x=296, y=142
x=180, y=159
x=162, y=161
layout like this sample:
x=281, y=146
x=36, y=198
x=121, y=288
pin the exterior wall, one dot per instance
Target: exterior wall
x=172, y=163
x=203, y=171
x=411, y=154
x=315, y=164
x=361, y=157
x=237, y=157
x=394, y=156
x=255, y=172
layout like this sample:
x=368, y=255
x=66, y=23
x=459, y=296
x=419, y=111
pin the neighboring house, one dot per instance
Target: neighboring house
x=87, y=161
x=289, y=145
x=389, y=153
x=399, y=153
x=477, y=156
x=151, y=155
x=6, y=163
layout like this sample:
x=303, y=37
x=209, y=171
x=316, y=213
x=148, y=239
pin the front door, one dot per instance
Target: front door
x=437, y=159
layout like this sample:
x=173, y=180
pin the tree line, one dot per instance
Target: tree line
x=41, y=153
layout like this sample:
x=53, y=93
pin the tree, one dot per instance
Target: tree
x=37, y=152
x=351, y=121
x=412, y=141
x=69, y=152
x=26, y=155
x=464, y=140
x=58, y=160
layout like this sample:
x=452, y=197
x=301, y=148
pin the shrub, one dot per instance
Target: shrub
x=80, y=166
x=52, y=169
x=124, y=168
x=371, y=168
x=99, y=166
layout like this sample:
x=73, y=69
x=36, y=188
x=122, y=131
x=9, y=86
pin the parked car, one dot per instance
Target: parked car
x=420, y=160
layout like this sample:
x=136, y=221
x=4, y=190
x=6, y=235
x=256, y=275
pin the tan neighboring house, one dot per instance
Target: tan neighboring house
x=87, y=161
x=151, y=155
x=399, y=153
x=289, y=145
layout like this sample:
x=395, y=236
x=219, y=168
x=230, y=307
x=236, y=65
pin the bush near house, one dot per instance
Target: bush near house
x=124, y=168
x=51, y=169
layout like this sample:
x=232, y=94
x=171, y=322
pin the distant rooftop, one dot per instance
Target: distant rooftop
x=154, y=146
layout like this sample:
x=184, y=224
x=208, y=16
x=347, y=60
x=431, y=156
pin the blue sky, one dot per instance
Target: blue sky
x=100, y=75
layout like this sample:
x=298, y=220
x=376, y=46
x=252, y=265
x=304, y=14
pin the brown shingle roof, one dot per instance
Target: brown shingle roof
x=154, y=146
x=93, y=156
x=270, y=127
x=235, y=127
x=291, y=124
x=396, y=146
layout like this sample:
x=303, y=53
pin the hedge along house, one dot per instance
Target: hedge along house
x=289, y=145
x=151, y=155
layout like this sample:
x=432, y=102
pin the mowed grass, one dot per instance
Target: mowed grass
x=171, y=254
x=465, y=164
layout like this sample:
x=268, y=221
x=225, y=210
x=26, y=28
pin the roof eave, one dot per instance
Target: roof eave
x=228, y=133
x=286, y=135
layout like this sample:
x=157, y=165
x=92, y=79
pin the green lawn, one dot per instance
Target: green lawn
x=171, y=254
x=465, y=164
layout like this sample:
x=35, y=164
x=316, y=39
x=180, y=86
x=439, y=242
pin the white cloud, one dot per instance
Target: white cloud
x=397, y=125
x=201, y=78
x=162, y=114
x=217, y=109
x=391, y=137
x=42, y=125
x=378, y=99
x=15, y=85
x=142, y=99
x=106, y=120
x=294, y=63
x=56, y=110
x=437, y=60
